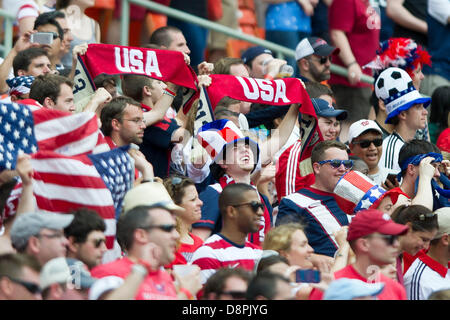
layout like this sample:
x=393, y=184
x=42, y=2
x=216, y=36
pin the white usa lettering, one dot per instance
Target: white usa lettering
x=133, y=61
x=264, y=89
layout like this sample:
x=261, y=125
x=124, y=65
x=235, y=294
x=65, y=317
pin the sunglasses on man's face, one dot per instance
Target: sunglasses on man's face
x=31, y=287
x=98, y=242
x=366, y=143
x=388, y=238
x=234, y=294
x=323, y=60
x=255, y=205
x=163, y=227
x=336, y=164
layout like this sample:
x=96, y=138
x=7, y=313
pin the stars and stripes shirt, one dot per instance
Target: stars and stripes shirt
x=391, y=149
x=424, y=277
x=321, y=214
x=217, y=252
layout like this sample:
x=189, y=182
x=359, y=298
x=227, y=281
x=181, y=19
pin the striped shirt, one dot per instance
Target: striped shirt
x=217, y=252
x=321, y=214
x=391, y=149
x=424, y=277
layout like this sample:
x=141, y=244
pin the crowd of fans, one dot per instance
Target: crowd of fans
x=259, y=181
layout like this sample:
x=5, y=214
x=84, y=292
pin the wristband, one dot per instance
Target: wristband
x=169, y=93
x=268, y=77
x=187, y=293
x=353, y=62
x=148, y=180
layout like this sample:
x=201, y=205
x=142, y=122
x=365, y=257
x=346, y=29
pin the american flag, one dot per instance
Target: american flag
x=27, y=129
x=95, y=181
x=69, y=171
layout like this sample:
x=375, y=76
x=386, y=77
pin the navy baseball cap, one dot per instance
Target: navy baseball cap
x=326, y=110
x=253, y=52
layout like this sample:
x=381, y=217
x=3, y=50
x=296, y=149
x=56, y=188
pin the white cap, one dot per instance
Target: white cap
x=359, y=127
x=104, y=285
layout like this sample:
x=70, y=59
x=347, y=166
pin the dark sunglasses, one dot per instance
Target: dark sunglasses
x=98, y=242
x=163, y=227
x=323, y=60
x=255, y=205
x=366, y=143
x=31, y=287
x=427, y=215
x=336, y=164
x=55, y=35
x=235, y=294
x=389, y=238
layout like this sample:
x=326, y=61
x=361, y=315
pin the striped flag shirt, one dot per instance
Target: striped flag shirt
x=217, y=252
x=321, y=214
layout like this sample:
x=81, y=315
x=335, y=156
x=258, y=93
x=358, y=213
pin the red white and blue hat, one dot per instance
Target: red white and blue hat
x=216, y=135
x=357, y=192
x=395, y=87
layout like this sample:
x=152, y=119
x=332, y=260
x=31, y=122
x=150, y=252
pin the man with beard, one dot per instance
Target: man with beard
x=316, y=206
x=313, y=57
x=241, y=210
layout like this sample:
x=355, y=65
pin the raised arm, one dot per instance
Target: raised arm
x=280, y=136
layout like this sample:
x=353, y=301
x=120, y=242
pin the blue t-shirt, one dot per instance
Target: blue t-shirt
x=287, y=16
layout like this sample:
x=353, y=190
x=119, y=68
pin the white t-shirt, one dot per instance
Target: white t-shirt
x=424, y=277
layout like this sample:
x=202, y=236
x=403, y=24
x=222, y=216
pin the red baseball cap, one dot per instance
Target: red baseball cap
x=369, y=221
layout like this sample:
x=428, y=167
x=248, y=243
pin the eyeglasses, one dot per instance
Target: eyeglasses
x=31, y=287
x=336, y=164
x=98, y=242
x=137, y=120
x=234, y=294
x=323, y=60
x=51, y=236
x=163, y=227
x=366, y=143
x=255, y=205
x=388, y=238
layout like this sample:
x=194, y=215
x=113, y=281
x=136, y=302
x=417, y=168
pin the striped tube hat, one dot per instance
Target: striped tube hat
x=356, y=192
x=216, y=135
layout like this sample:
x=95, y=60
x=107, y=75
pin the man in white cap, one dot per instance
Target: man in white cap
x=65, y=279
x=405, y=110
x=41, y=235
x=313, y=57
x=430, y=272
x=365, y=141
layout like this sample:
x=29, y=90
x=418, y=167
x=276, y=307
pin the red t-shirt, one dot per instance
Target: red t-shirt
x=157, y=285
x=392, y=289
x=359, y=23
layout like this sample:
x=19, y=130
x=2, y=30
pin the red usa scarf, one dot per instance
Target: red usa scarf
x=257, y=237
x=273, y=92
x=164, y=65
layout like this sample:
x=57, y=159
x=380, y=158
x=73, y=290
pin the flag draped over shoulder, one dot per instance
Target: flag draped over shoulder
x=164, y=65
x=95, y=181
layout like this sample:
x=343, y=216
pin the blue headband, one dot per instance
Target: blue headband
x=415, y=160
